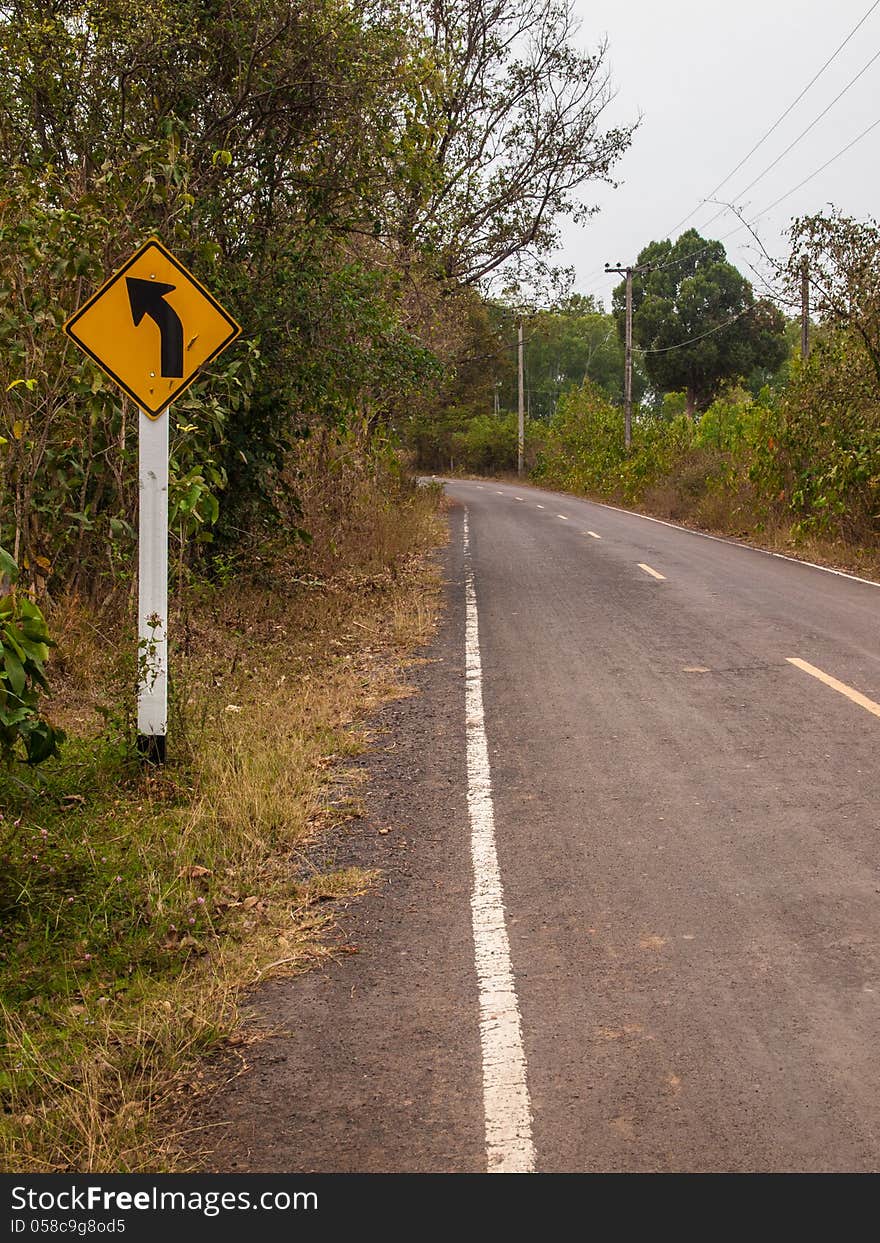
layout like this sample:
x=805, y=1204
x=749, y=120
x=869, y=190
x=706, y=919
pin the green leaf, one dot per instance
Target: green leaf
x=42, y=742
x=13, y=638
x=28, y=609
x=15, y=674
x=8, y=568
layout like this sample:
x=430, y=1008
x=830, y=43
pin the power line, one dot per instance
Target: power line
x=778, y=121
x=746, y=224
x=843, y=151
x=801, y=135
x=671, y=263
x=664, y=349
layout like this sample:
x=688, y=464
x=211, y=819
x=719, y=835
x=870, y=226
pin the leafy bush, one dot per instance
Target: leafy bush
x=828, y=453
x=585, y=450
x=24, y=648
x=673, y=405
x=584, y=447
x=436, y=437
x=675, y=464
x=489, y=444
x=459, y=438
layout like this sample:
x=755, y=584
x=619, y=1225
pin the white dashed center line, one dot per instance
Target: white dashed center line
x=563, y=517
x=594, y=535
x=653, y=573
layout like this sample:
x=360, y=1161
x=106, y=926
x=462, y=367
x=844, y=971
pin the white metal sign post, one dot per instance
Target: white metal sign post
x=152, y=703
x=152, y=327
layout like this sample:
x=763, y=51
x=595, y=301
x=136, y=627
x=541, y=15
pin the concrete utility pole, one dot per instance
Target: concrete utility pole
x=628, y=363
x=805, y=307
x=628, y=356
x=521, y=425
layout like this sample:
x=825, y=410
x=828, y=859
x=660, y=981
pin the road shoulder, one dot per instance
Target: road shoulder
x=373, y=1062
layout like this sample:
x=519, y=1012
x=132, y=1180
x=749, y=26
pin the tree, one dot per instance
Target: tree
x=261, y=140
x=572, y=343
x=564, y=345
x=844, y=267
x=697, y=320
x=343, y=176
x=507, y=124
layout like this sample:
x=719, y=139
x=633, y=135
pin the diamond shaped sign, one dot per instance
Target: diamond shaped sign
x=151, y=327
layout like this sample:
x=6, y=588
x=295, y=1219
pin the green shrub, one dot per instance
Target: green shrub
x=489, y=444
x=459, y=438
x=583, y=443
x=673, y=405
x=24, y=648
x=584, y=447
x=828, y=446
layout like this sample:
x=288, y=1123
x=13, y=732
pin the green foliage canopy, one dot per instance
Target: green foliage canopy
x=697, y=320
x=843, y=258
x=336, y=173
x=574, y=342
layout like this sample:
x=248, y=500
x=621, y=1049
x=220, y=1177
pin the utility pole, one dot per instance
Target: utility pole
x=628, y=355
x=521, y=426
x=628, y=364
x=805, y=307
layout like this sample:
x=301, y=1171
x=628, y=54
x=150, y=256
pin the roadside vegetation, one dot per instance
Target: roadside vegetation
x=733, y=430
x=136, y=905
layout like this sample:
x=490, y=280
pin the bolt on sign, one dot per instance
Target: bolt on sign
x=151, y=327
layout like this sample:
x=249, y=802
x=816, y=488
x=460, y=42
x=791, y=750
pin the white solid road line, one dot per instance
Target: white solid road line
x=653, y=573
x=856, y=696
x=506, y=1104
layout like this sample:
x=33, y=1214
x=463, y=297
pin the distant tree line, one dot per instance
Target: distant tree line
x=696, y=326
x=757, y=438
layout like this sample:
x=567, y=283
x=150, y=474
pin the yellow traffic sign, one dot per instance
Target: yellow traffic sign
x=151, y=327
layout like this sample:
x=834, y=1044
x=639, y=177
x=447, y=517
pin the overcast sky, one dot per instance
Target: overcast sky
x=709, y=79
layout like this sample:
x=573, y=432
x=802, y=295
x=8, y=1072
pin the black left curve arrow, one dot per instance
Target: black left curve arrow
x=148, y=298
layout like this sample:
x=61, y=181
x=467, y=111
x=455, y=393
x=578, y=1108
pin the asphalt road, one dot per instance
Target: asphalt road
x=687, y=836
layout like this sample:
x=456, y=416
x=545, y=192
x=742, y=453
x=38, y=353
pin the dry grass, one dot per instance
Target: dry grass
x=188, y=886
x=736, y=512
